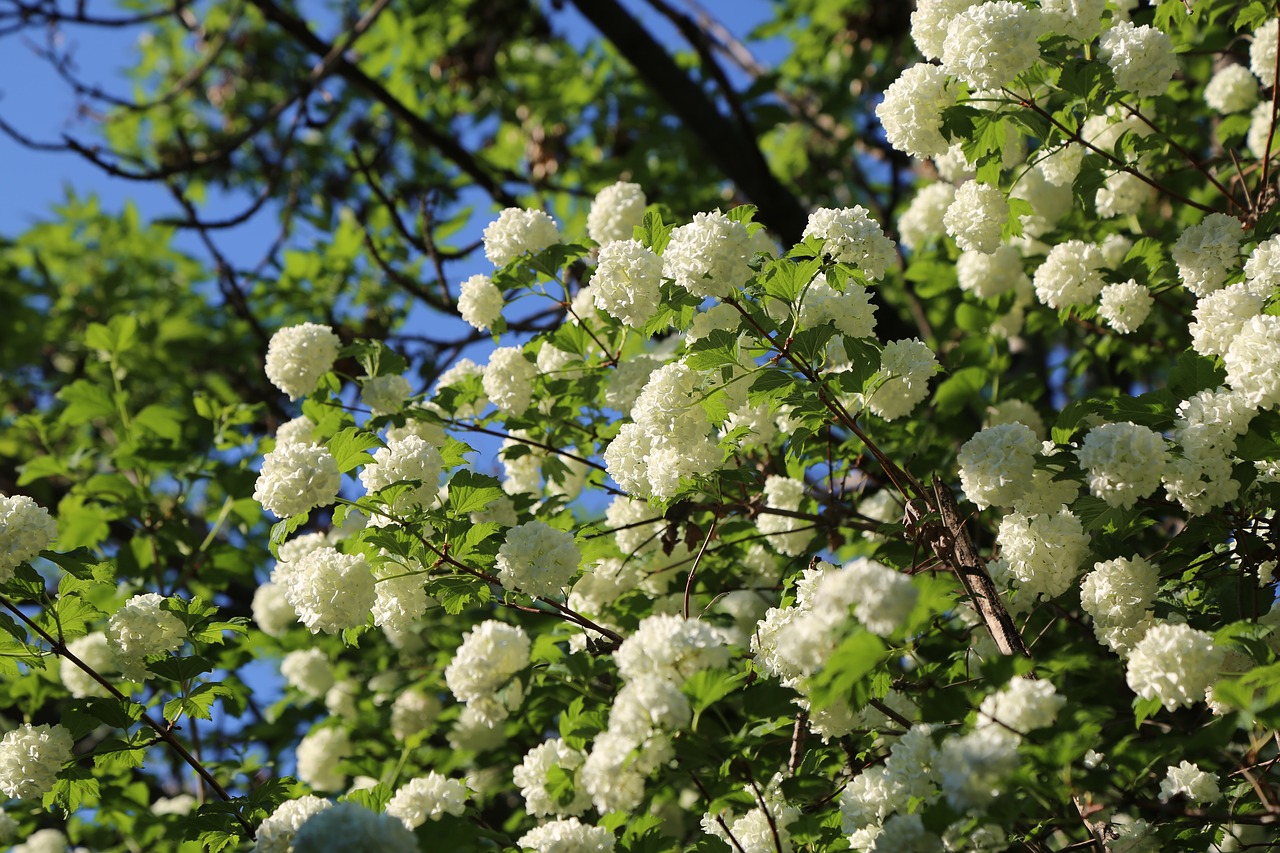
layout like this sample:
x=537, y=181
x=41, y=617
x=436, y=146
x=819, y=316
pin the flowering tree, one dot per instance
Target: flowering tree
x=719, y=559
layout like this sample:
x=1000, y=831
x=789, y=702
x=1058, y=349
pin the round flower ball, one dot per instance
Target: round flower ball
x=331, y=591
x=851, y=236
x=709, y=256
x=906, y=366
x=30, y=758
x=990, y=44
x=911, y=111
x=297, y=356
x=143, y=628
x=997, y=464
x=26, y=529
x=1123, y=462
x=538, y=559
x=627, y=282
x=1124, y=306
x=480, y=302
x=1175, y=664
x=1141, y=58
x=977, y=217
x=518, y=232
x=428, y=797
x=1231, y=90
x=615, y=212
x=508, y=380
x=353, y=828
x=296, y=478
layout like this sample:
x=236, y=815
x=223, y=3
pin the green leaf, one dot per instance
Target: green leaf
x=350, y=447
x=717, y=349
x=772, y=385
x=1193, y=373
x=786, y=279
x=116, y=337
x=86, y=401
x=281, y=530
x=471, y=492
x=852, y=662
x=652, y=232
x=811, y=344
x=74, y=789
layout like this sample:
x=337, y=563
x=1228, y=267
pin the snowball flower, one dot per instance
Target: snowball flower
x=1123, y=462
x=275, y=834
x=407, y=459
x=1141, y=58
x=142, y=628
x=1262, y=53
x=929, y=23
x=309, y=671
x=1219, y=316
x=922, y=220
x=989, y=45
x=997, y=464
x=1124, y=306
x=973, y=767
x=297, y=356
x=1253, y=362
x=508, y=380
x=30, y=758
x=709, y=256
x=480, y=302
x=987, y=276
x=852, y=237
x=851, y=312
x=1117, y=594
x=1069, y=275
x=615, y=212
x=318, y=755
x=1122, y=194
x=1261, y=137
x=568, y=835
x=532, y=775
x=537, y=559
x=907, y=366
x=1022, y=705
x=911, y=111
x=1232, y=90
x=26, y=529
x=518, y=232
x=1174, y=663
x=1044, y=552
x=1262, y=270
x=1207, y=252
x=426, y=798
x=271, y=609
x=331, y=591
x=1079, y=19
x=354, y=828
x=490, y=654
x=296, y=478
x=413, y=711
x=977, y=216
x=627, y=281
x=1191, y=782
x=670, y=647
x=298, y=430
x=94, y=650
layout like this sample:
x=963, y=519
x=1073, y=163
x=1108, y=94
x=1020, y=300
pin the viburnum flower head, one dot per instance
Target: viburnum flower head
x=518, y=232
x=308, y=670
x=480, y=302
x=1253, y=362
x=1044, y=551
x=1123, y=194
x=1123, y=462
x=331, y=591
x=94, y=650
x=615, y=212
x=988, y=276
x=975, y=767
x=1070, y=275
x=384, y=395
x=929, y=23
x=1117, y=594
x=627, y=282
x=428, y=797
x=403, y=460
x=989, y=45
x=142, y=628
x=911, y=111
x=532, y=776
x=490, y=654
x=709, y=256
x=26, y=529
x=670, y=647
x=568, y=835
x=508, y=379
x=1174, y=663
x=297, y=356
x=1232, y=90
x=977, y=216
x=1262, y=270
x=1022, y=705
x=1262, y=53
x=1206, y=253
x=1141, y=58
x=850, y=311
x=538, y=559
x=1219, y=317
x=351, y=827
x=275, y=834
x=1261, y=136
x=30, y=758
x=852, y=237
x=997, y=464
x=1188, y=780
x=1124, y=306
x=296, y=478
x=1079, y=19
x=907, y=367
x=922, y=220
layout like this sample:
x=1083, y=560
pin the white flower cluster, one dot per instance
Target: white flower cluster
x=868, y=802
x=297, y=356
x=140, y=629
x=627, y=282
x=783, y=531
x=319, y=753
x=1118, y=595
x=990, y=275
x=669, y=440
x=384, y=395
x=1022, y=705
x=977, y=216
x=94, y=650
x=538, y=559
x=1262, y=53
x=973, y=768
x=413, y=711
x=1175, y=664
x=1188, y=780
x=481, y=671
x=532, y=775
x=331, y=591
x=480, y=302
x=1253, y=362
x=922, y=220
x=569, y=835
x=1231, y=90
x=404, y=460
x=30, y=758
x=400, y=595
x=997, y=464
x=309, y=671
x=911, y=112
x=275, y=834
x=348, y=826
x=1123, y=194
x=1124, y=306
x=615, y=212
x=1123, y=462
x=851, y=236
x=929, y=23
x=518, y=232
x=1141, y=58
x=670, y=648
x=709, y=256
x=1079, y=19
x=1207, y=252
x=906, y=366
x=508, y=379
x=296, y=478
x=1208, y=425
x=762, y=829
x=26, y=529
x=1044, y=552
x=989, y=45
x=1262, y=270
x=1219, y=316
x=426, y=798
x=1070, y=274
